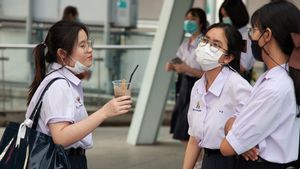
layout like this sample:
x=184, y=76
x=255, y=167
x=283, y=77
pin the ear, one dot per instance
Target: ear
x=267, y=35
x=227, y=59
x=61, y=53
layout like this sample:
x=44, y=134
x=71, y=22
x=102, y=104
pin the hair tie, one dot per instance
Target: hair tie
x=44, y=44
x=294, y=60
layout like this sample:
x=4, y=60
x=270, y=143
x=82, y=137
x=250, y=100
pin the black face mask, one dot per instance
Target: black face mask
x=256, y=49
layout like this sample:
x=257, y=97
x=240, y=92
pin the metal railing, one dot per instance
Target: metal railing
x=6, y=86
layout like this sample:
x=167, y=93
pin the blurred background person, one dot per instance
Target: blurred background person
x=71, y=14
x=188, y=70
x=234, y=12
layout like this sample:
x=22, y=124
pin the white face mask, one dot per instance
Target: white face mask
x=78, y=67
x=207, y=59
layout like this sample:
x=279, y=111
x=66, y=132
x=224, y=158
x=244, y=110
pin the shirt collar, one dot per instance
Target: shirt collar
x=269, y=74
x=194, y=44
x=66, y=73
x=275, y=71
x=217, y=85
x=201, y=86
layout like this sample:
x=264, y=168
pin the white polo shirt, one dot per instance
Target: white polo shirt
x=209, y=110
x=186, y=52
x=63, y=102
x=269, y=119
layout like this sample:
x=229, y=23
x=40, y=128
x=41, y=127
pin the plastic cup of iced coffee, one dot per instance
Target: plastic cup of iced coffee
x=121, y=88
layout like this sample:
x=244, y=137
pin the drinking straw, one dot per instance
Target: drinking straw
x=131, y=76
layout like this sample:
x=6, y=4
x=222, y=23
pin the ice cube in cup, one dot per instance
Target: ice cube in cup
x=121, y=88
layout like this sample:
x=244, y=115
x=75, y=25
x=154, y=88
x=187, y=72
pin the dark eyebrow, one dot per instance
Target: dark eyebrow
x=83, y=41
x=214, y=40
x=218, y=41
x=207, y=37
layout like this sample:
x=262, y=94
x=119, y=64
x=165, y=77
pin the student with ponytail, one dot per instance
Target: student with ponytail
x=67, y=52
x=266, y=134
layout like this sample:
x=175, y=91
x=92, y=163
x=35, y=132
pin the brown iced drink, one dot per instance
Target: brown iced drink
x=121, y=88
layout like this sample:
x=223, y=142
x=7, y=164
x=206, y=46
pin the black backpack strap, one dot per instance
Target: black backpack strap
x=35, y=114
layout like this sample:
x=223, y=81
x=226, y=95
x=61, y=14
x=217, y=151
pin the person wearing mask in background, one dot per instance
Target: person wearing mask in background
x=234, y=12
x=63, y=114
x=267, y=131
x=216, y=96
x=186, y=66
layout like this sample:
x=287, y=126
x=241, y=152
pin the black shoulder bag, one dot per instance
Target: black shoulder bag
x=22, y=146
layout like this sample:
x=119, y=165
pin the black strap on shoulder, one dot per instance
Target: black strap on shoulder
x=35, y=114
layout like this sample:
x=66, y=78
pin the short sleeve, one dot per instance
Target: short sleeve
x=58, y=103
x=190, y=115
x=248, y=129
x=242, y=94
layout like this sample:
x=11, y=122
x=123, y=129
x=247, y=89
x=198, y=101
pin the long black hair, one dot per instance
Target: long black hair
x=282, y=18
x=235, y=43
x=62, y=34
x=237, y=12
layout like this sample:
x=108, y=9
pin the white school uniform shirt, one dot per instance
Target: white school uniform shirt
x=247, y=59
x=269, y=119
x=210, y=110
x=63, y=102
x=186, y=52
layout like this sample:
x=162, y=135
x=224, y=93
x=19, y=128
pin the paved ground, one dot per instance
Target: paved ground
x=112, y=152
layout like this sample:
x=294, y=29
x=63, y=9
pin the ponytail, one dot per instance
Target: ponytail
x=62, y=34
x=40, y=69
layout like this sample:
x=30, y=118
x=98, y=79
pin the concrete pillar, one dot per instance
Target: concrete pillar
x=154, y=89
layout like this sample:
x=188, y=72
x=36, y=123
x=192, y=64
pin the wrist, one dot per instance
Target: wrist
x=101, y=114
x=188, y=70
